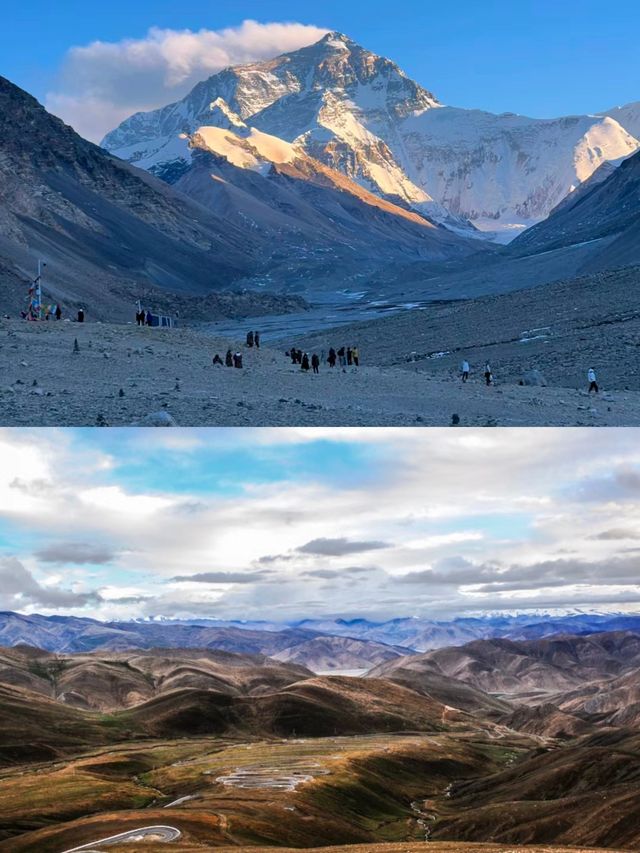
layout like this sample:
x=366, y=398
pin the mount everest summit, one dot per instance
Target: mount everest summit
x=323, y=171
x=359, y=114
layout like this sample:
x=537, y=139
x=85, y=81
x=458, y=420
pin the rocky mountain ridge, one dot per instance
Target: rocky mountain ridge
x=362, y=115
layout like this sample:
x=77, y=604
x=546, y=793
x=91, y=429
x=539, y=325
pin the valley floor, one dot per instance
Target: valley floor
x=123, y=374
x=208, y=793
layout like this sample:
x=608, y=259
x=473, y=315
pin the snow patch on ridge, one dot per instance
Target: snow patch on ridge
x=249, y=151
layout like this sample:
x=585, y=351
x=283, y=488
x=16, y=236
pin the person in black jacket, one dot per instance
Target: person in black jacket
x=315, y=363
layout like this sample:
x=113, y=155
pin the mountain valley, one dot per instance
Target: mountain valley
x=235, y=749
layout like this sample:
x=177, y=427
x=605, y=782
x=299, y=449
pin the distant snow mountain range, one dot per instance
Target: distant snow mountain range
x=348, y=643
x=358, y=113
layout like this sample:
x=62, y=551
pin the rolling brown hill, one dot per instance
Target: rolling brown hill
x=35, y=728
x=322, y=654
x=503, y=666
x=107, y=682
x=51, y=704
x=450, y=691
x=614, y=702
x=315, y=707
x=586, y=793
x=222, y=736
x=546, y=720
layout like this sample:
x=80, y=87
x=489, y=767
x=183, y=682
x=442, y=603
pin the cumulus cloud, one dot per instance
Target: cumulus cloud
x=75, y=552
x=102, y=83
x=498, y=578
x=339, y=547
x=18, y=588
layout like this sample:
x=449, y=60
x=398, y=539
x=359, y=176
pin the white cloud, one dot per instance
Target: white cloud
x=103, y=83
x=468, y=523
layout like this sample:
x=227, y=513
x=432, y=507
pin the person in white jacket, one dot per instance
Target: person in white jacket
x=464, y=369
x=593, y=383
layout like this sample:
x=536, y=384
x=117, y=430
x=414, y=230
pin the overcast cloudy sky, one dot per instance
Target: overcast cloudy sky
x=282, y=524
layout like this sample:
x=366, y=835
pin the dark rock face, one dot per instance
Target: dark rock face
x=609, y=212
x=98, y=221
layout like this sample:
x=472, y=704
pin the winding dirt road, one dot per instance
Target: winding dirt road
x=163, y=834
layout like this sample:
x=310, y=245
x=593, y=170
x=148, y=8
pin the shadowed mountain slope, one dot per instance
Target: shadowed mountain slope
x=585, y=793
x=505, y=666
x=104, y=227
x=609, y=213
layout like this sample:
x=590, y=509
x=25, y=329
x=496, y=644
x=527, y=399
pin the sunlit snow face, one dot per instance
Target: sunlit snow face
x=339, y=102
x=291, y=523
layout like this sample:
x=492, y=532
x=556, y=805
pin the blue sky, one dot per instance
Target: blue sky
x=288, y=524
x=539, y=58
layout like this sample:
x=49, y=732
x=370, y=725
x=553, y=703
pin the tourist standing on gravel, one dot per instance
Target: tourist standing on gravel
x=342, y=357
x=332, y=357
x=315, y=363
x=228, y=360
x=355, y=355
x=249, y=339
x=305, y=362
x=593, y=382
x=488, y=375
x=80, y=315
x=256, y=339
x=237, y=360
x=58, y=312
x=465, y=370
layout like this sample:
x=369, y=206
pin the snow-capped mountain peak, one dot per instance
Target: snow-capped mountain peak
x=360, y=114
x=628, y=116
